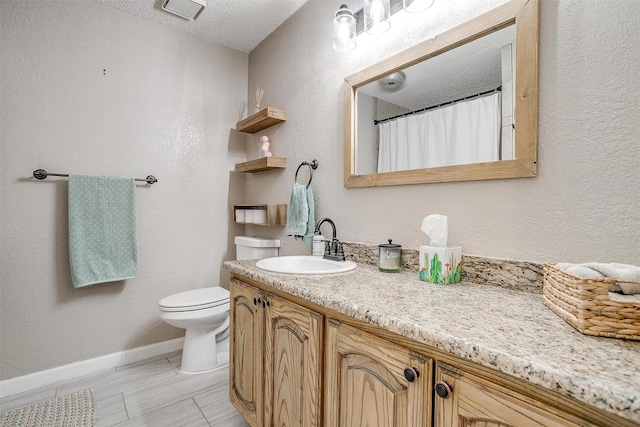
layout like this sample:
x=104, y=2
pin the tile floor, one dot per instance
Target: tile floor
x=148, y=393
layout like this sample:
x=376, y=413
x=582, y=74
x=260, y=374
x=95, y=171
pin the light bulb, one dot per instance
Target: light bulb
x=415, y=6
x=376, y=16
x=344, y=30
x=342, y=35
x=377, y=12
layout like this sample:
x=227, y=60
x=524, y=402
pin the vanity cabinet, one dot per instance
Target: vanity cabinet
x=276, y=359
x=464, y=400
x=373, y=382
x=296, y=363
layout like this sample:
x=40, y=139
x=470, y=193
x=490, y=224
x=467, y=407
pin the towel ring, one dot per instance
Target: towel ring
x=313, y=165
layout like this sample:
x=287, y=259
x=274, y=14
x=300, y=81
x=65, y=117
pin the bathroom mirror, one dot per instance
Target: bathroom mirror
x=503, y=47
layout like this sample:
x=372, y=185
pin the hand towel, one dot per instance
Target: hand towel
x=102, y=229
x=580, y=270
x=627, y=276
x=301, y=213
x=311, y=223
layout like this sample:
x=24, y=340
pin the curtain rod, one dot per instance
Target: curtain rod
x=42, y=174
x=477, y=95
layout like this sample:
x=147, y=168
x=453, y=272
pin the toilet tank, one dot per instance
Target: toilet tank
x=250, y=247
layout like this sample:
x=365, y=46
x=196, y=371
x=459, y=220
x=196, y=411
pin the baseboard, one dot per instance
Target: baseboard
x=49, y=376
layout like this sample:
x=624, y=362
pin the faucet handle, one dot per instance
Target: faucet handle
x=340, y=249
x=334, y=246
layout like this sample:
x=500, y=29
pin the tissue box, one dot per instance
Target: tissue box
x=440, y=265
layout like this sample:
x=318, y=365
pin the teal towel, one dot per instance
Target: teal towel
x=102, y=229
x=300, y=214
x=308, y=235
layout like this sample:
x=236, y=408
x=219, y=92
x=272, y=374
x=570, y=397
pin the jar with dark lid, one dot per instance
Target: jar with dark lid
x=390, y=257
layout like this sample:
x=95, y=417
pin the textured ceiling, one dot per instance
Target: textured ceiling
x=238, y=24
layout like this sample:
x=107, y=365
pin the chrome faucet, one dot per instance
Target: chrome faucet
x=333, y=249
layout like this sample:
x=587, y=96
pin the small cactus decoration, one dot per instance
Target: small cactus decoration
x=423, y=271
x=436, y=269
x=457, y=273
x=440, y=272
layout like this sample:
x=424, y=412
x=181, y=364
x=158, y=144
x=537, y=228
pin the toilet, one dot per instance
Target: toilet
x=204, y=313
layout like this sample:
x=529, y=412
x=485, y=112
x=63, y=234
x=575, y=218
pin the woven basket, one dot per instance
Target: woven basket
x=585, y=304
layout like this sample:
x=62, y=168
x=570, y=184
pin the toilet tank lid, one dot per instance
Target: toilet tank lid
x=257, y=242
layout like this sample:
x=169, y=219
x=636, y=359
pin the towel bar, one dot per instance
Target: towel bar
x=42, y=174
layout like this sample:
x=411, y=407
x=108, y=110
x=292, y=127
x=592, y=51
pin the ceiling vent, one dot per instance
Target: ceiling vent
x=187, y=9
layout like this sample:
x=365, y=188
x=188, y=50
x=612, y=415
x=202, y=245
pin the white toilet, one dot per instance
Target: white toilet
x=204, y=313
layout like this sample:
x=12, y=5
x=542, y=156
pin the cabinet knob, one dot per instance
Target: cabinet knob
x=255, y=301
x=443, y=389
x=264, y=304
x=411, y=374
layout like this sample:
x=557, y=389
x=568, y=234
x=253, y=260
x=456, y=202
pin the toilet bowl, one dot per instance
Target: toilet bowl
x=204, y=313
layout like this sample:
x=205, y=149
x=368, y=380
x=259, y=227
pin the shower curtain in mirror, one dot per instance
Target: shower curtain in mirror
x=460, y=133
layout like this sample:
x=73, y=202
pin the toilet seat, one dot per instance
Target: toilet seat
x=195, y=299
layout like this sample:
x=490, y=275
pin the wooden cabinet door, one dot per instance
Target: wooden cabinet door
x=246, y=348
x=293, y=364
x=475, y=402
x=365, y=384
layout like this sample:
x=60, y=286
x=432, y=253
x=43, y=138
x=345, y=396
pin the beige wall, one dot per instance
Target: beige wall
x=164, y=105
x=582, y=206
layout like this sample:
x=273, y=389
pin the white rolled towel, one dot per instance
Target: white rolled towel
x=586, y=272
x=623, y=273
x=581, y=270
x=630, y=288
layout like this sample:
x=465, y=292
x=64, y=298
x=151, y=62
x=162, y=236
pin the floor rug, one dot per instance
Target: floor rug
x=72, y=410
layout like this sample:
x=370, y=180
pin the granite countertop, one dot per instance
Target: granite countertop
x=507, y=330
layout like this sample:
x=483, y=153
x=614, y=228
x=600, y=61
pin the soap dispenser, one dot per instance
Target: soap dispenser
x=390, y=257
x=318, y=244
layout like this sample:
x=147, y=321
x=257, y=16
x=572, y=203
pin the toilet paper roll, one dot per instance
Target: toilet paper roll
x=249, y=216
x=259, y=216
x=240, y=215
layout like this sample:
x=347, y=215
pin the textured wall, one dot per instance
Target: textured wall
x=582, y=206
x=164, y=105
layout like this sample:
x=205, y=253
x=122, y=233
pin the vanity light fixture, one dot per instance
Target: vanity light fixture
x=377, y=15
x=415, y=6
x=374, y=18
x=187, y=9
x=344, y=30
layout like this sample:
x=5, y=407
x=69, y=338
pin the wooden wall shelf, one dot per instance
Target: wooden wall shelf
x=261, y=120
x=262, y=164
x=268, y=214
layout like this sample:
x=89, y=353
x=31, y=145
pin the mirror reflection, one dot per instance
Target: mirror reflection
x=455, y=108
x=462, y=106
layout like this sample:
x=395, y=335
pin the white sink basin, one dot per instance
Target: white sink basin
x=305, y=265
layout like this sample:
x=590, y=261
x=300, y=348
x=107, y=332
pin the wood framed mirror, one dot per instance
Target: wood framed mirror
x=516, y=150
